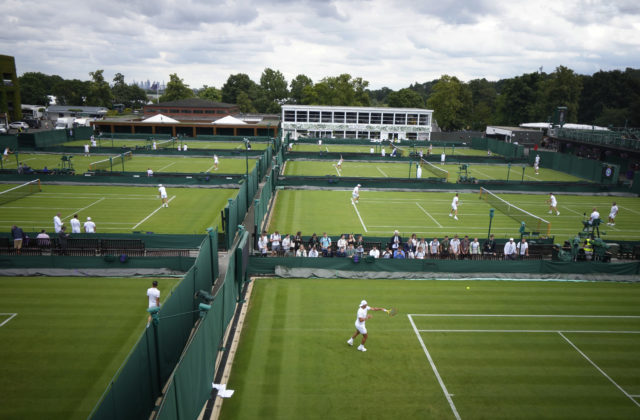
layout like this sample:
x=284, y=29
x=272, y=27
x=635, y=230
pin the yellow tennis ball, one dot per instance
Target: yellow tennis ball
x=468, y=287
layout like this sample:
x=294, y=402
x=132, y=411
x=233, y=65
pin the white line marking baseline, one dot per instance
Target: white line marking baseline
x=13, y=315
x=435, y=370
x=427, y=213
x=166, y=166
x=534, y=316
x=84, y=208
x=382, y=172
x=536, y=331
x=152, y=213
x=600, y=370
x=572, y=211
x=627, y=209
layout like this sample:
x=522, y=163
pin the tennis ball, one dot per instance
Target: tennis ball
x=468, y=287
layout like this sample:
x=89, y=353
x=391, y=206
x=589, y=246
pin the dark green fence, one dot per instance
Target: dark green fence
x=135, y=387
x=508, y=150
x=590, y=169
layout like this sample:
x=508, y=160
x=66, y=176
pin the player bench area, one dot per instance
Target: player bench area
x=74, y=246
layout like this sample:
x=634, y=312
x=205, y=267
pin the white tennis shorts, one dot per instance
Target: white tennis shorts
x=361, y=328
x=454, y=207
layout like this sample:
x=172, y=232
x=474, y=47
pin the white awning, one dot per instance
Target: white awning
x=229, y=120
x=159, y=118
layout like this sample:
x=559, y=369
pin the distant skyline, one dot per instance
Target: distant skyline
x=391, y=43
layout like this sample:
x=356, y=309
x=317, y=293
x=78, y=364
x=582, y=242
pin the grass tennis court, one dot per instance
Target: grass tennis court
x=118, y=209
x=379, y=213
x=63, y=339
x=402, y=170
x=138, y=163
x=366, y=148
x=191, y=144
x=502, y=349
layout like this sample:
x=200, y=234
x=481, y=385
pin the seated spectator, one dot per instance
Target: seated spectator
x=43, y=239
x=396, y=241
x=263, y=244
x=424, y=245
x=360, y=250
x=359, y=241
x=454, y=247
x=420, y=254
x=313, y=252
x=275, y=239
x=351, y=251
x=444, y=247
x=375, y=252
x=434, y=248
x=45, y=170
x=341, y=252
x=474, y=249
x=399, y=254
x=351, y=240
x=523, y=249
x=297, y=240
x=464, y=247
x=510, y=250
x=301, y=252
x=489, y=247
x=325, y=245
x=387, y=253
x=342, y=242
x=313, y=241
x=410, y=255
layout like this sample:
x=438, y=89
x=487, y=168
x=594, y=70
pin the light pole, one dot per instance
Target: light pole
x=491, y=211
x=247, y=147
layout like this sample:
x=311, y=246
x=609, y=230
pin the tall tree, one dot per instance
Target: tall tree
x=274, y=85
x=235, y=84
x=519, y=100
x=484, y=96
x=71, y=92
x=561, y=88
x=298, y=84
x=405, y=98
x=451, y=102
x=35, y=87
x=176, y=89
x=342, y=90
x=99, y=90
x=211, y=93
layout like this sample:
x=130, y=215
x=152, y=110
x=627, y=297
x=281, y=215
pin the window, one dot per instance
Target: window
x=376, y=118
x=362, y=135
x=186, y=111
x=338, y=134
x=150, y=110
x=314, y=116
x=375, y=135
x=301, y=116
x=363, y=118
x=198, y=111
x=325, y=116
x=412, y=119
x=424, y=119
x=387, y=118
x=220, y=111
x=209, y=111
x=338, y=117
x=352, y=117
x=401, y=119
x=350, y=135
x=290, y=116
x=412, y=136
x=174, y=111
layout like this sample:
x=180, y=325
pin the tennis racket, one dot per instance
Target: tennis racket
x=391, y=311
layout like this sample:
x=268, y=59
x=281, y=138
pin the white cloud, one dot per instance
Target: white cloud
x=389, y=43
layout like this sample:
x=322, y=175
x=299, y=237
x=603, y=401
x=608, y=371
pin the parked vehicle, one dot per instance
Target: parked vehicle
x=3, y=130
x=18, y=125
x=64, y=123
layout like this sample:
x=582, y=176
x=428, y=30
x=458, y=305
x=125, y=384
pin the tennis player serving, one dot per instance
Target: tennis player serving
x=360, y=324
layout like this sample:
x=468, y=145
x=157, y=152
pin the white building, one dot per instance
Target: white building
x=356, y=122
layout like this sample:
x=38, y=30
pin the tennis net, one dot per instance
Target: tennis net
x=107, y=164
x=100, y=165
x=165, y=144
x=21, y=191
x=438, y=172
x=532, y=223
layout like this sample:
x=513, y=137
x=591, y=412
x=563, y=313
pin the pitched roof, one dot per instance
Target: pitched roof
x=229, y=120
x=195, y=103
x=159, y=118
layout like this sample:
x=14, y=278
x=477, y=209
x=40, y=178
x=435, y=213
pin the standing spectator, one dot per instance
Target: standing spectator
x=86, y=150
x=275, y=239
x=313, y=252
x=163, y=195
x=536, y=164
x=444, y=247
x=434, y=248
x=523, y=248
x=153, y=294
x=422, y=243
x=263, y=244
x=489, y=247
x=301, y=252
x=413, y=243
x=464, y=247
x=325, y=245
x=454, y=207
x=286, y=245
x=553, y=204
x=314, y=241
x=89, y=226
x=374, y=252
x=396, y=241
x=63, y=236
x=351, y=240
x=149, y=172
x=18, y=235
x=75, y=224
x=510, y=250
x=57, y=223
x=455, y=247
x=216, y=162
x=612, y=214
x=355, y=195
x=474, y=249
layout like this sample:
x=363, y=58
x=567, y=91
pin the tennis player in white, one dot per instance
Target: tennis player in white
x=163, y=195
x=360, y=324
x=419, y=171
x=454, y=207
x=553, y=204
x=355, y=195
x=216, y=161
x=612, y=214
x=339, y=164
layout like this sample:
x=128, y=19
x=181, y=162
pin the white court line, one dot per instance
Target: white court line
x=537, y=331
x=572, y=211
x=532, y=177
x=427, y=213
x=212, y=166
x=165, y=167
x=600, y=370
x=152, y=213
x=13, y=315
x=534, y=316
x=84, y=208
x=632, y=211
x=435, y=370
x=337, y=170
x=482, y=173
x=382, y=172
x=358, y=213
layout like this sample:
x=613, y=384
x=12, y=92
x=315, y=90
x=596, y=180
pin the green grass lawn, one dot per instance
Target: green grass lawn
x=365, y=148
x=293, y=360
x=191, y=144
x=139, y=163
x=68, y=339
x=379, y=213
x=402, y=170
x=118, y=209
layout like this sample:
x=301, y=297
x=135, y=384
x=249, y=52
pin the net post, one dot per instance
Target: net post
x=110, y=164
x=39, y=185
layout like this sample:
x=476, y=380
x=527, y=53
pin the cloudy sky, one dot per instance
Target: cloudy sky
x=390, y=43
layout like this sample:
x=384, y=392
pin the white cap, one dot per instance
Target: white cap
x=359, y=185
x=88, y=218
x=159, y=185
x=511, y=239
x=363, y=303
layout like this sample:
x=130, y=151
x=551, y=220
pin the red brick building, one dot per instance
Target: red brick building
x=193, y=109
